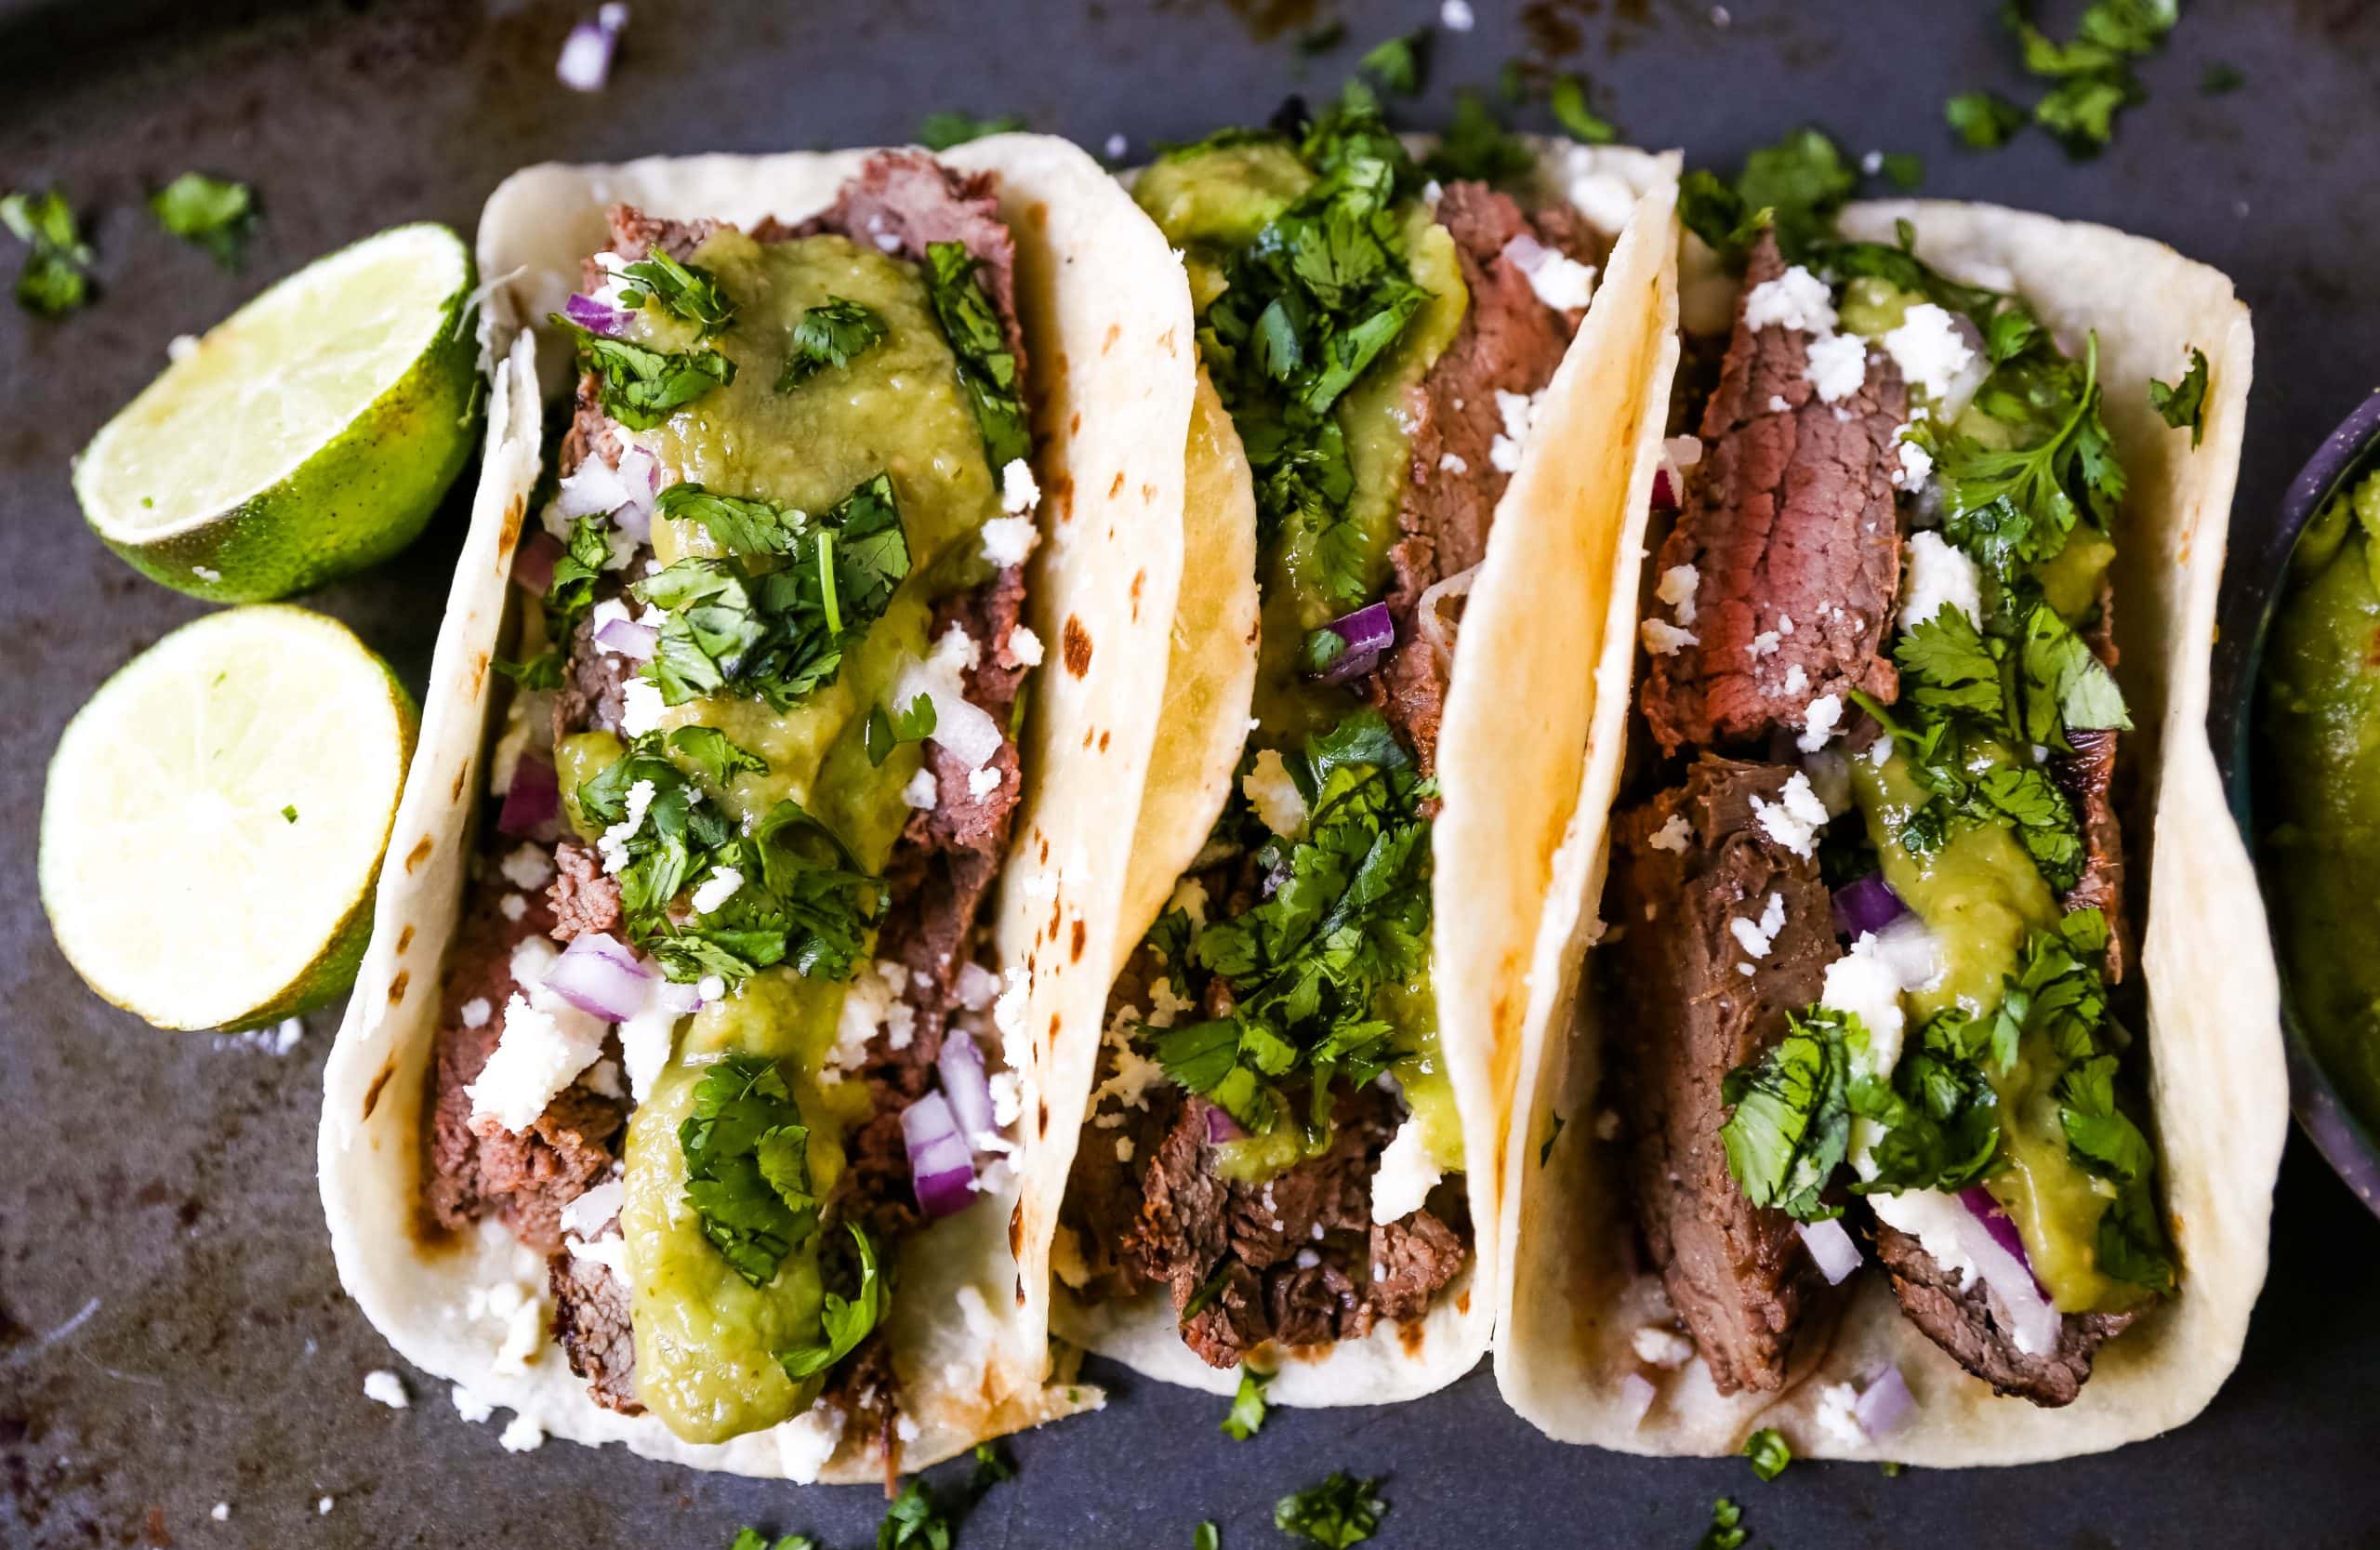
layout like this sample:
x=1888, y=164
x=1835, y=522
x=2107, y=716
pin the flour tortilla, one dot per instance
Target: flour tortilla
x=1570, y=521
x=1106, y=314
x=1574, y=1295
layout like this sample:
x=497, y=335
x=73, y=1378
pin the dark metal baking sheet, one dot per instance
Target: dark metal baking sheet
x=172, y=1335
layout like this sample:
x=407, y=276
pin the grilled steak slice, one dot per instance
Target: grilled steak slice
x=591, y=1323
x=1699, y=1003
x=583, y=896
x=1509, y=341
x=1959, y=1318
x=1792, y=534
x=2087, y=776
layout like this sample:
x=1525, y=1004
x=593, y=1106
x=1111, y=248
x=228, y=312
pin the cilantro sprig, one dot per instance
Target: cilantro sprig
x=829, y=337
x=2184, y=402
x=640, y=387
x=1341, y=1511
x=987, y=366
x=1790, y=1117
x=56, y=279
x=688, y=292
x=212, y=212
x=2090, y=76
x=748, y=1167
x=1246, y=1417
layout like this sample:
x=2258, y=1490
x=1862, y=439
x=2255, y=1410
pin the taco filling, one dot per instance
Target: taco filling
x=718, y=1035
x=1870, y=938
x=1274, y=1141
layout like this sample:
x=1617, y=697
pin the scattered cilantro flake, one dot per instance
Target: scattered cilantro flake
x=986, y=366
x=831, y=335
x=289, y=814
x=888, y=730
x=1477, y=148
x=1340, y=1512
x=685, y=291
x=941, y=132
x=213, y=213
x=913, y=1522
x=752, y=1539
x=1545, y=1151
x=2221, y=78
x=2184, y=402
x=56, y=277
x=844, y=1322
x=1985, y=120
x=1568, y=101
x=1398, y=63
x=1796, y=185
x=748, y=1167
x=1769, y=1452
x=1208, y=1537
x=1246, y=1417
x=992, y=1467
x=2093, y=70
x=1727, y=1530
x=641, y=388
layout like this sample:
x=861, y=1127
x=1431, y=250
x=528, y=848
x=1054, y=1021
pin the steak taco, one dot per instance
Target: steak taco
x=1921, y=1097
x=1286, y=1170
x=695, y=1090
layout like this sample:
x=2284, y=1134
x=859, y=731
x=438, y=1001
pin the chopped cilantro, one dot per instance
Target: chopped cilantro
x=888, y=730
x=570, y=592
x=1727, y=1530
x=1769, y=1452
x=777, y=634
x=987, y=366
x=1246, y=1417
x=752, y=1539
x=941, y=132
x=1545, y=1151
x=1985, y=120
x=1796, y=185
x=831, y=335
x=641, y=388
x=1340, y=1512
x=1206, y=1537
x=714, y=755
x=289, y=815
x=686, y=291
x=56, y=278
x=1398, y=63
x=213, y=213
x=1568, y=101
x=1791, y=1121
x=2222, y=77
x=2184, y=402
x=992, y=1467
x=844, y=1322
x=2093, y=71
x=748, y=1167
x=913, y=1522
x=1477, y=148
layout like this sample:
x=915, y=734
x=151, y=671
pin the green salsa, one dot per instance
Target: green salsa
x=2322, y=767
x=708, y=1341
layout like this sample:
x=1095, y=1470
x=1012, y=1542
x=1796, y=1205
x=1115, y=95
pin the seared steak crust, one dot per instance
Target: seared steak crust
x=1737, y=1273
x=591, y=1324
x=1959, y=1318
x=1792, y=533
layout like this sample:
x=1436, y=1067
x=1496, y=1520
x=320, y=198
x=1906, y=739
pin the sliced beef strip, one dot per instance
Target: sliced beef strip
x=1509, y=340
x=2087, y=776
x=583, y=896
x=1792, y=520
x=1959, y=1318
x=591, y=1324
x=594, y=681
x=525, y=1177
x=1737, y=1273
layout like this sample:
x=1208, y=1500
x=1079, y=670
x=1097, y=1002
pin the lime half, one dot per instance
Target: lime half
x=307, y=436
x=215, y=819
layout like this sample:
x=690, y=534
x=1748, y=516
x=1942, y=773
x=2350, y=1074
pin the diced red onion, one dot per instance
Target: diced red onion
x=1978, y=1200
x=965, y=1084
x=1831, y=1246
x=1636, y=1395
x=628, y=638
x=1884, y=1404
x=603, y=976
x=1222, y=1127
x=1664, y=490
x=623, y=492
x=533, y=565
x=585, y=61
x=1368, y=631
x=941, y=1164
x=1429, y=618
x=1678, y=454
x=596, y=317
x=1866, y=904
x=533, y=800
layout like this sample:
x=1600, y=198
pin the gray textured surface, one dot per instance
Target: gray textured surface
x=164, y=1183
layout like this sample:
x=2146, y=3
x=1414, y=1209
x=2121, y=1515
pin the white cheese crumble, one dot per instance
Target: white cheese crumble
x=1674, y=834
x=1679, y=583
x=922, y=792
x=323, y=1507
x=1880, y=750
x=1560, y=281
x=716, y=889
x=470, y=1407
x=1658, y=1346
x=1517, y=409
x=983, y=782
x=1794, y=819
x=1275, y=795
x=1938, y=575
x=1796, y=679
x=513, y=907
x=1405, y=1176
x=1913, y=467
x=1795, y=299
x=1838, y=1415
x=1764, y=645
x=1025, y=646
x=386, y=1389
x=1838, y=365
x=806, y=1442
x=961, y=726
x=527, y=865
x=1018, y=491
x=522, y=1435
x=1117, y=147
x=1756, y=936
x=1009, y=540
x=221, y=1512
x=1863, y=984
x=1929, y=350
x=544, y=1043
x=1663, y=639
x=645, y=1042
x=476, y=1012
x=614, y=842
x=1453, y=463
x=1819, y=722
x=1008, y=1008
x=1777, y=405
x=641, y=706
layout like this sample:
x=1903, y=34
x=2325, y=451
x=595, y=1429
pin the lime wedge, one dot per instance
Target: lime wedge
x=309, y=435
x=215, y=818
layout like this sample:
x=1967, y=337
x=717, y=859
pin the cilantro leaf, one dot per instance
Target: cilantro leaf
x=2184, y=402
x=2093, y=71
x=1984, y=120
x=1206, y=1537
x=1769, y=1453
x=740, y=525
x=986, y=366
x=213, y=213
x=1246, y=1417
x=1568, y=102
x=1727, y=1530
x=686, y=291
x=571, y=590
x=712, y=752
x=56, y=277
x=842, y=1322
x=2080, y=112
x=2067, y=688
x=832, y=334
x=1796, y=185
x=1790, y=1123
x=1341, y=1511
x=748, y=1171
x=641, y=388
x=2016, y=505
x=913, y=1522
x=886, y=731
x=940, y=131
x=992, y=1467
x=1397, y=63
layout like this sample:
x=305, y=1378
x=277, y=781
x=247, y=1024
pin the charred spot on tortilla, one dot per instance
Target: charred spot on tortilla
x=1077, y=641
